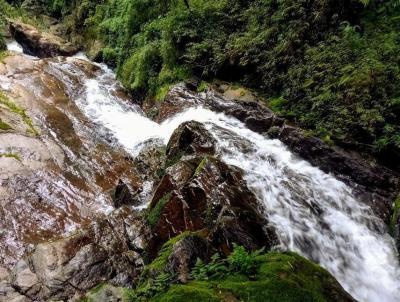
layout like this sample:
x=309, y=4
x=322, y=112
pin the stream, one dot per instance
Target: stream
x=314, y=214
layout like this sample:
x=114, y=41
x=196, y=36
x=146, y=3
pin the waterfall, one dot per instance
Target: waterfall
x=13, y=45
x=313, y=213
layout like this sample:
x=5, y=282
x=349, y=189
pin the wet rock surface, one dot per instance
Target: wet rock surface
x=198, y=191
x=40, y=44
x=190, y=138
x=55, y=174
x=107, y=251
x=374, y=184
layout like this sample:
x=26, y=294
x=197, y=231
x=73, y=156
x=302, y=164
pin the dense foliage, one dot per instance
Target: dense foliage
x=245, y=276
x=330, y=66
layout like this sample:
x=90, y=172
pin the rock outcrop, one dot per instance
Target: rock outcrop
x=40, y=44
x=198, y=191
x=107, y=251
x=374, y=184
x=55, y=175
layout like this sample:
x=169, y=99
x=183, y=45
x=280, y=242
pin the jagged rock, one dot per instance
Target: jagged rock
x=256, y=117
x=150, y=161
x=38, y=43
x=185, y=254
x=190, y=138
x=201, y=192
x=10, y=294
x=106, y=251
x=123, y=195
x=61, y=175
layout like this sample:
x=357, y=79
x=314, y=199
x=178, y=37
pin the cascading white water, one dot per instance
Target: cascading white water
x=314, y=214
x=13, y=45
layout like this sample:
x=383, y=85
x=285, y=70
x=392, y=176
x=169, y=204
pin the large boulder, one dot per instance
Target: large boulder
x=200, y=192
x=38, y=43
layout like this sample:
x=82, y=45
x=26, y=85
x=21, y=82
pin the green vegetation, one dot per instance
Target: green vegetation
x=201, y=166
x=330, y=66
x=243, y=276
x=279, y=277
x=4, y=100
x=154, y=214
x=202, y=87
x=4, y=125
x=3, y=54
x=11, y=155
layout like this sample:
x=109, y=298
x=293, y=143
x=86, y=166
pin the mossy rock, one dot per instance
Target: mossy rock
x=281, y=277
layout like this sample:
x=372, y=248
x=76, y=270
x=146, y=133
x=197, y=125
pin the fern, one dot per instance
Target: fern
x=243, y=262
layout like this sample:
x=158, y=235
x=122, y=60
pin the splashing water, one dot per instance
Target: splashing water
x=13, y=45
x=313, y=213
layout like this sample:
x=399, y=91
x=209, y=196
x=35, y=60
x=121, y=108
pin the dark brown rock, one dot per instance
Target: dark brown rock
x=190, y=138
x=40, y=44
x=123, y=195
x=185, y=254
x=213, y=197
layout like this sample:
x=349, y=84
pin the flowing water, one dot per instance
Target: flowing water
x=314, y=214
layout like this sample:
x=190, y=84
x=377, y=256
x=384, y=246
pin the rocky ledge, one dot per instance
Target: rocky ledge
x=40, y=44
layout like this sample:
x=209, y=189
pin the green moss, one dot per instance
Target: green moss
x=11, y=155
x=4, y=126
x=281, y=277
x=202, y=87
x=201, y=166
x=4, y=100
x=185, y=293
x=97, y=288
x=162, y=93
x=3, y=54
x=395, y=215
x=154, y=214
x=158, y=265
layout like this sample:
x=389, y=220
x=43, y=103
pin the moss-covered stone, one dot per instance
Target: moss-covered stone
x=155, y=212
x=4, y=125
x=13, y=107
x=196, y=291
x=159, y=264
x=281, y=277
